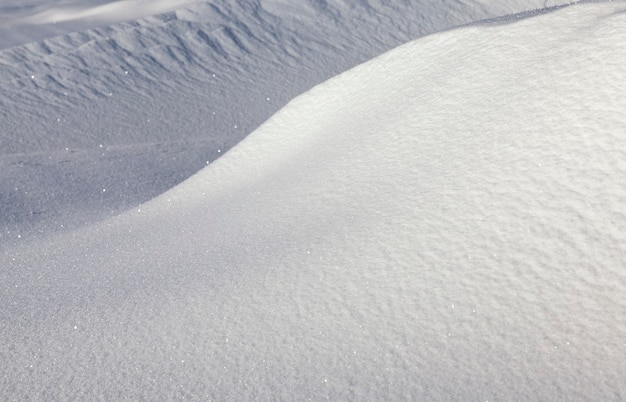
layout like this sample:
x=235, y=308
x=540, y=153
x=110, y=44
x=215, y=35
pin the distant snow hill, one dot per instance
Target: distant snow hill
x=444, y=222
x=97, y=121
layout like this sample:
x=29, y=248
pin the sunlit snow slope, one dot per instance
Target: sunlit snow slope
x=97, y=121
x=445, y=222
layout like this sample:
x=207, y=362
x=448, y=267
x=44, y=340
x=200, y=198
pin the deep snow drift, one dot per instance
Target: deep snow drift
x=104, y=119
x=447, y=221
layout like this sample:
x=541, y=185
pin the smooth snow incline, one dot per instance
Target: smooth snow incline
x=445, y=222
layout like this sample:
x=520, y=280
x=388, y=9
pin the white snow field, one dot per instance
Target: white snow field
x=444, y=222
x=103, y=119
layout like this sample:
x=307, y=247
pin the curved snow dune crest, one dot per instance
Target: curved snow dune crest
x=288, y=138
x=443, y=222
x=135, y=108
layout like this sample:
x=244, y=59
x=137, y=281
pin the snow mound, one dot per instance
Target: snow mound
x=445, y=222
x=102, y=119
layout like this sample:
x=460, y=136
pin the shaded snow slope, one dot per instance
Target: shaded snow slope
x=94, y=122
x=445, y=222
x=29, y=21
x=108, y=11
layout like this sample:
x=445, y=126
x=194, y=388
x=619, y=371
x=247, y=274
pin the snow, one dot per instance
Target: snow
x=38, y=19
x=114, y=11
x=443, y=222
x=165, y=93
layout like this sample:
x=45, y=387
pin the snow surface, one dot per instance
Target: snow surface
x=22, y=23
x=444, y=222
x=110, y=11
x=104, y=119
